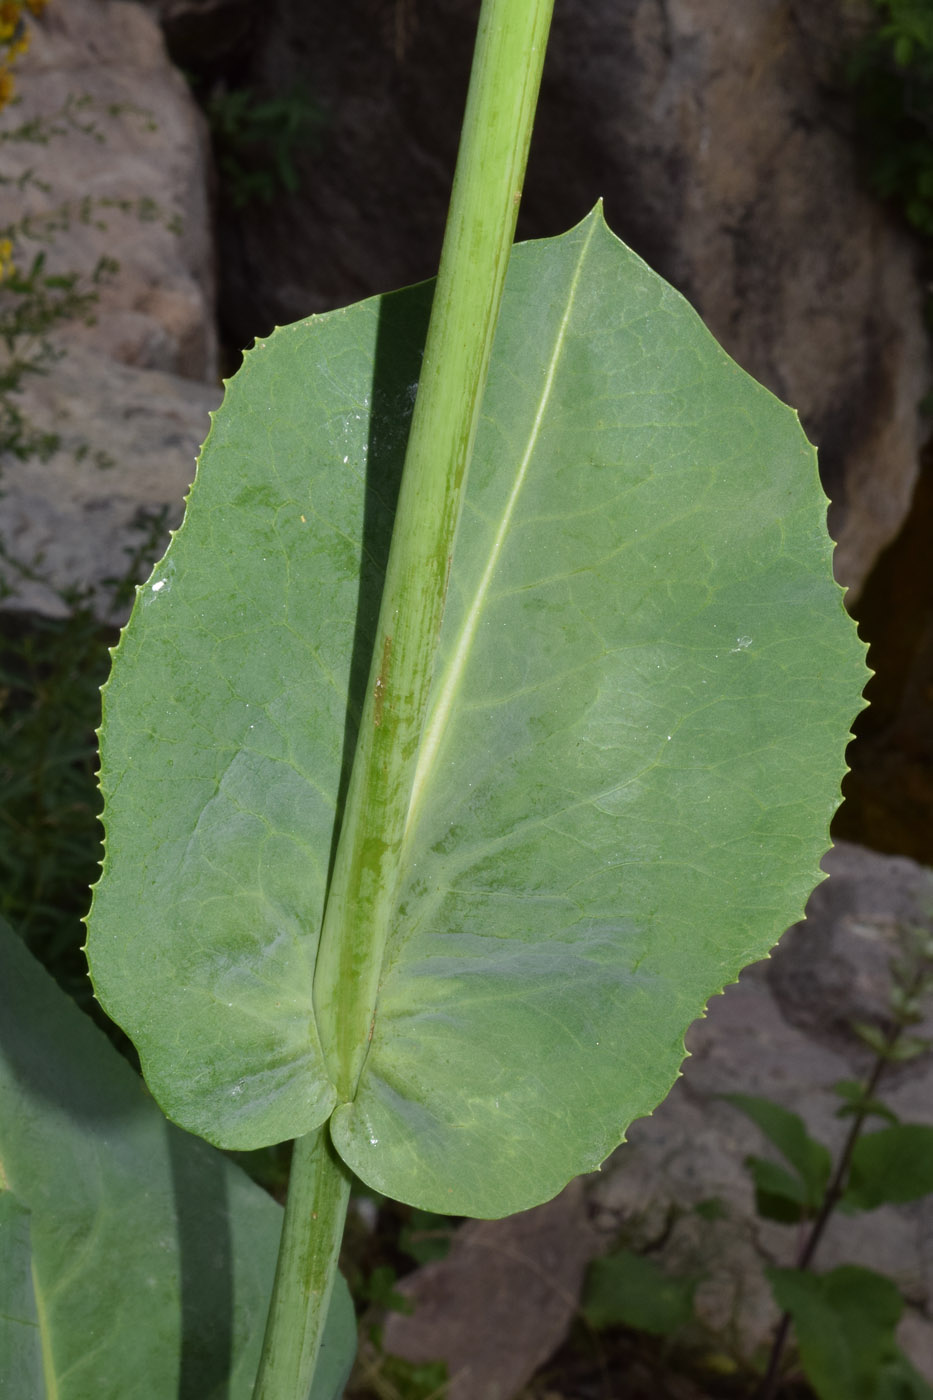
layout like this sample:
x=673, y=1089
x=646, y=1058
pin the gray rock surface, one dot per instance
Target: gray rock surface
x=77, y=523
x=133, y=132
x=500, y=1302
x=722, y=141
x=135, y=387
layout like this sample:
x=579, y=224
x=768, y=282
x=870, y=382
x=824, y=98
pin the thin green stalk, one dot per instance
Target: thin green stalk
x=484, y=206
x=837, y=1184
x=318, y=1192
x=494, y=143
x=772, y=1377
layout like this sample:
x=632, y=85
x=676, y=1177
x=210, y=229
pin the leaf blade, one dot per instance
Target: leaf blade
x=625, y=794
x=606, y=771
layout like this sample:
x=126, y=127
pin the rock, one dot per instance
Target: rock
x=723, y=143
x=128, y=131
x=79, y=523
x=500, y=1302
x=135, y=387
x=784, y=1032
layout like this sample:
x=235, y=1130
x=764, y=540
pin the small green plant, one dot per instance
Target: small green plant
x=632, y=1290
x=256, y=140
x=390, y=1378
x=891, y=73
x=382, y=1243
x=845, y=1320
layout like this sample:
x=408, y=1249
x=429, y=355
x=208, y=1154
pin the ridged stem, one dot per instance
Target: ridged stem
x=318, y=1192
x=494, y=144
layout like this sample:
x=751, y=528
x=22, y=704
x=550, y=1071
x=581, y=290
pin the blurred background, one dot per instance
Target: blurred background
x=180, y=176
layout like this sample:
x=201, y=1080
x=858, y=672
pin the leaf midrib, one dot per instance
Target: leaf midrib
x=439, y=715
x=45, y=1339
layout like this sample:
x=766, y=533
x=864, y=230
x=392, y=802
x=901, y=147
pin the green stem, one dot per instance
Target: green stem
x=834, y=1192
x=481, y=224
x=318, y=1192
x=480, y=227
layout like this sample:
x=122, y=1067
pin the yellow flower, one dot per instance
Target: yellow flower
x=7, y=265
x=19, y=45
x=10, y=19
x=35, y=7
x=6, y=87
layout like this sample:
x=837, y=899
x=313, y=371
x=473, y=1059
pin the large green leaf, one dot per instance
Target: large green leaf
x=643, y=691
x=137, y=1261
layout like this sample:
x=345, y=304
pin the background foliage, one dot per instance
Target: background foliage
x=891, y=72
